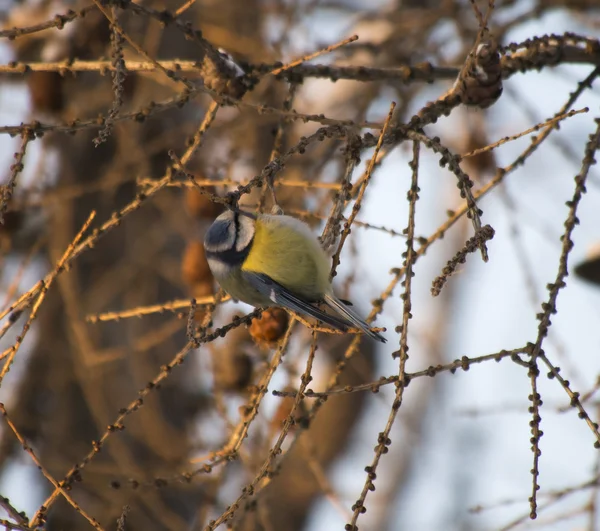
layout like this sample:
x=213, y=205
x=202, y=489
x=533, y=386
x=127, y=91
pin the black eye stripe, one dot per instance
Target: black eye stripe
x=230, y=256
x=236, y=224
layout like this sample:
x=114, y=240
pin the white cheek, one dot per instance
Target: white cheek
x=245, y=234
x=218, y=268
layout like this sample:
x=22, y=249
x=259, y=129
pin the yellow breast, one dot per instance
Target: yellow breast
x=285, y=250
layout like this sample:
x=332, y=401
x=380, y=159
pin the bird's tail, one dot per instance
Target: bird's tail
x=342, y=309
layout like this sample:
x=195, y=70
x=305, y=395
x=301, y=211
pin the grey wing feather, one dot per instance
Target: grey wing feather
x=281, y=296
x=336, y=304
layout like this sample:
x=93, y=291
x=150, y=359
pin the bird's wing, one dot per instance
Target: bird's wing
x=281, y=296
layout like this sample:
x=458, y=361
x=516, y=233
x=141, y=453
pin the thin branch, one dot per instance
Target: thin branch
x=463, y=363
x=16, y=515
x=253, y=488
x=58, y=486
x=118, y=424
x=383, y=440
x=15, y=170
x=58, y=22
x=313, y=55
x=486, y=233
x=45, y=285
x=361, y=193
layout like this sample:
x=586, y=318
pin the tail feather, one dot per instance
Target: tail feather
x=347, y=313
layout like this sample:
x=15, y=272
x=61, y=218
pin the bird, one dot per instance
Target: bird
x=275, y=260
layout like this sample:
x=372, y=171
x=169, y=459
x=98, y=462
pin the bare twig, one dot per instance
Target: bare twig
x=44, y=286
x=58, y=486
x=361, y=193
x=383, y=440
x=15, y=169
x=313, y=55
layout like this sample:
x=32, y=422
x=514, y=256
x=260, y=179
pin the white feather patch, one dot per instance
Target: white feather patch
x=245, y=232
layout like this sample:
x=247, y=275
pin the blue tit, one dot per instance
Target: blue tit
x=266, y=260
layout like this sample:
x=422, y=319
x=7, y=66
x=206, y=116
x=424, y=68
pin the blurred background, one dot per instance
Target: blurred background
x=460, y=454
